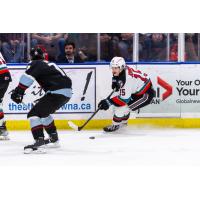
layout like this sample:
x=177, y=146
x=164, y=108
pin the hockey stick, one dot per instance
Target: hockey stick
x=79, y=128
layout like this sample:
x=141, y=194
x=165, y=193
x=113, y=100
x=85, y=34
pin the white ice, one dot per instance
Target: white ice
x=134, y=146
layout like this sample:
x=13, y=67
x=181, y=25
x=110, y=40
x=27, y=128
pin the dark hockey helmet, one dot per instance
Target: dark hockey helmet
x=37, y=53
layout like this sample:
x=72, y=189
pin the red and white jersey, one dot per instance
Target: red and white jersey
x=3, y=66
x=136, y=83
x=4, y=72
x=2, y=61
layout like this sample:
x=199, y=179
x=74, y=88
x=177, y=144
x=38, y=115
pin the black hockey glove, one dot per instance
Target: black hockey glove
x=17, y=95
x=116, y=84
x=104, y=104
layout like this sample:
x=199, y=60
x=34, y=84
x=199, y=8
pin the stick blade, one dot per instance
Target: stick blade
x=72, y=125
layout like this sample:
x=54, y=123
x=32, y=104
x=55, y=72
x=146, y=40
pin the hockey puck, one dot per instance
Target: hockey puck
x=92, y=137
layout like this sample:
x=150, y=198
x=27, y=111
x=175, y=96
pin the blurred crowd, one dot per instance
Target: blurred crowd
x=83, y=47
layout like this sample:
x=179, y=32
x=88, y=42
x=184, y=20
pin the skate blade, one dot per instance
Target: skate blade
x=120, y=130
x=111, y=132
x=38, y=151
x=4, y=137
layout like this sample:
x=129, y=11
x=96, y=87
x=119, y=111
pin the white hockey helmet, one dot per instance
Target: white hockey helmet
x=118, y=62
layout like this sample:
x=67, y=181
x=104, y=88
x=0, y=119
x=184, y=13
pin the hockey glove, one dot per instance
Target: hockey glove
x=17, y=95
x=116, y=84
x=104, y=104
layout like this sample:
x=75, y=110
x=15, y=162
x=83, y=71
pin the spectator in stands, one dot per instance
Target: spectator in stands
x=52, y=42
x=126, y=46
x=155, y=47
x=70, y=54
x=173, y=54
x=191, y=42
x=13, y=47
x=142, y=46
x=109, y=45
x=87, y=44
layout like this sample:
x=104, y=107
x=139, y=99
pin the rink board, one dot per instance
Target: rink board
x=99, y=123
x=177, y=101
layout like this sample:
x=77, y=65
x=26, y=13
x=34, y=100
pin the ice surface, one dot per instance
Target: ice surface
x=133, y=146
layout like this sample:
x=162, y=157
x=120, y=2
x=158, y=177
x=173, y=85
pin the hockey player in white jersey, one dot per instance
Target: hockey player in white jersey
x=5, y=79
x=133, y=88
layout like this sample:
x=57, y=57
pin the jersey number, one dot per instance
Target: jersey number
x=122, y=92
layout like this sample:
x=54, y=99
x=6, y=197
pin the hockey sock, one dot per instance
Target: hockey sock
x=36, y=128
x=125, y=118
x=1, y=115
x=118, y=120
x=1, y=118
x=49, y=125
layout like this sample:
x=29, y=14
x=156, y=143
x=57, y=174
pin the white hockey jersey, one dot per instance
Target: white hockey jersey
x=136, y=83
x=2, y=61
x=4, y=72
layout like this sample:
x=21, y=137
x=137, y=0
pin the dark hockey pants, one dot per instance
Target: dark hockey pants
x=40, y=114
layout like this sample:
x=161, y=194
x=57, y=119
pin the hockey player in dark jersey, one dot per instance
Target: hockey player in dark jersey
x=58, y=91
x=5, y=79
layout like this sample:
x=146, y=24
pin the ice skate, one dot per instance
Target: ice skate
x=4, y=132
x=124, y=124
x=52, y=141
x=115, y=127
x=111, y=128
x=38, y=147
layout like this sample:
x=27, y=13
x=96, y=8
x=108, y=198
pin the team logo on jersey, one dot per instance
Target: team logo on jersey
x=6, y=78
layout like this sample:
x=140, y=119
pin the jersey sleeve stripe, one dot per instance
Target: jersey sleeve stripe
x=117, y=101
x=125, y=100
x=4, y=71
x=144, y=88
